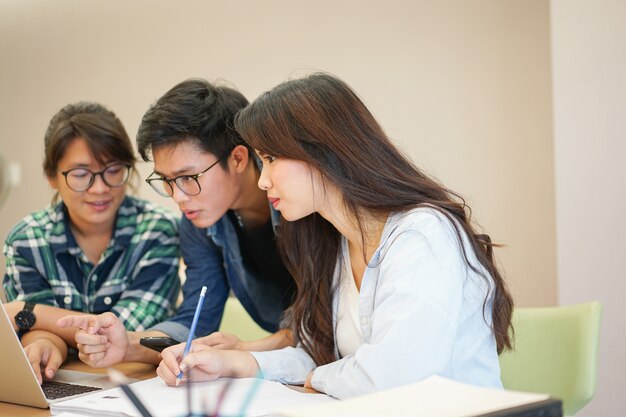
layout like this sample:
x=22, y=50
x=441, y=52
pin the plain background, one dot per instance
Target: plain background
x=517, y=105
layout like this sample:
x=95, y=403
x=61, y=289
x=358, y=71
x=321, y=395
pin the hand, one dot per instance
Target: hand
x=308, y=387
x=207, y=363
x=221, y=340
x=102, y=340
x=44, y=356
x=307, y=383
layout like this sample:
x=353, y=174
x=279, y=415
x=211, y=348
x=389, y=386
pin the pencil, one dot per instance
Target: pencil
x=192, y=331
x=118, y=378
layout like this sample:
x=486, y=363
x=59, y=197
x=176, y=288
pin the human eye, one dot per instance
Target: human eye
x=265, y=157
x=78, y=173
x=186, y=179
x=114, y=169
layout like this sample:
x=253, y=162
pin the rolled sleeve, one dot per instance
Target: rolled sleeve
x=172, y=329
x=27, y=254
x=288, y=365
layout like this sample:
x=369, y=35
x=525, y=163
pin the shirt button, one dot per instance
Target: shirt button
x=94, y=278
x=67, y=300
x=107, y=300
x=364, y=321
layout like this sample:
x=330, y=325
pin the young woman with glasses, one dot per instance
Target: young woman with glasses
x=394, y=282
x=97, y=249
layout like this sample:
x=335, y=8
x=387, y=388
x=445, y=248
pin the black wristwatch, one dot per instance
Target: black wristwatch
x=25, y=319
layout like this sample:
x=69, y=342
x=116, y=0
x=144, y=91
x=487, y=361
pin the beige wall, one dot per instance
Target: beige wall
x=589, y=71
x=463, y=87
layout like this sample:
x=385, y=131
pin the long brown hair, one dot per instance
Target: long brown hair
x=320, y=120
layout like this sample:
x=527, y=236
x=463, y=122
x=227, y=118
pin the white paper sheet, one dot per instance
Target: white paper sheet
x=164, y=401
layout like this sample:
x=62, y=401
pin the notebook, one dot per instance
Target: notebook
x=18, y=383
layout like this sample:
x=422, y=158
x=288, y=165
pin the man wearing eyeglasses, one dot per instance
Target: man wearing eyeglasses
x=227, y=231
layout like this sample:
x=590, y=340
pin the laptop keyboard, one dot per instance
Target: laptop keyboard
x=56, y=389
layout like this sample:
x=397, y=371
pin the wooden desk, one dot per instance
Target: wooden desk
x=131, y=370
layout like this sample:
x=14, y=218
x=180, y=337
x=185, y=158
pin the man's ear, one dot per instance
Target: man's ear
x=240, y=158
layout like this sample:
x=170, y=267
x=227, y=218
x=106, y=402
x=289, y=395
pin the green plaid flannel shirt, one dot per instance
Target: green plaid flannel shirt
x=136, y=277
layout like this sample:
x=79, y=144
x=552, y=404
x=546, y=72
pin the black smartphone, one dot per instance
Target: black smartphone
x=158, y=343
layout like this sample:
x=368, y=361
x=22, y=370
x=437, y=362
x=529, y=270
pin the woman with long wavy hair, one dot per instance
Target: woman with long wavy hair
x=394, y=282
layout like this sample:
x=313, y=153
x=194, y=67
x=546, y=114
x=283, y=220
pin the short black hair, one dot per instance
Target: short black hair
x=194, y=110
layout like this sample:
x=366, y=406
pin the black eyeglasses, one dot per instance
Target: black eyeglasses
x=188, y=184
x=81, y=179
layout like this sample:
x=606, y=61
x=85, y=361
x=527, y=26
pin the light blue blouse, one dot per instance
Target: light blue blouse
x=421, y=314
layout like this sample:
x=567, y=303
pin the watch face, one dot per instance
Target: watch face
x=25, y=319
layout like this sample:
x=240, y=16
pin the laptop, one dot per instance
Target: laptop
x=19, y=385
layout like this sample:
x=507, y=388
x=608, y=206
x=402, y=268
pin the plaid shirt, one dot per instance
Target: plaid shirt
x=136, y=277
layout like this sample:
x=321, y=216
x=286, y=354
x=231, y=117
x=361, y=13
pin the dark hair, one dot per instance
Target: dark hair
x=320, y=120
x=102, y=131
x=193, y=110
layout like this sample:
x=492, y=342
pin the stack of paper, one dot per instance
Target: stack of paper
x=164, y=401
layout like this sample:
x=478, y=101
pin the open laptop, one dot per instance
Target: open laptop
x=19, y=385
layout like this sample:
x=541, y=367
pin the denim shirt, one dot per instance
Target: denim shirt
x=213, y=258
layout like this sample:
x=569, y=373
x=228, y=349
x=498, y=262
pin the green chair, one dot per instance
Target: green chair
x=237, y=321
x=555, y=352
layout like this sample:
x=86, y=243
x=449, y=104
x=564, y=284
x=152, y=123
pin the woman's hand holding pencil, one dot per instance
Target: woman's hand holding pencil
x=210, y=363
x=207, y=363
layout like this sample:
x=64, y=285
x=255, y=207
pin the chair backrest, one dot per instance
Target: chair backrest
x=555, y=352
x=237, y=321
